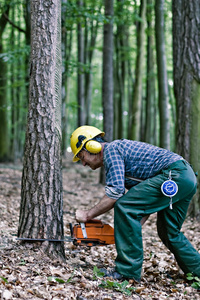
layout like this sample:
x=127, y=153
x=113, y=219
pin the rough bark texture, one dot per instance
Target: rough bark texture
x=41, y=198
x=186, y=55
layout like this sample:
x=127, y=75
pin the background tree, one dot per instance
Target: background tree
x=186, y=41
x=120, y=65
x=80, y=75
x=91, y=30
x=135, y=116
x=107, y=84
x=41, y=199
x=162, y=75
x=150, y=132
x=4, y=137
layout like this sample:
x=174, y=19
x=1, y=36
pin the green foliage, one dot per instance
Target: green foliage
x=118, y=286
x=122, y=287
x=60, y=280
x=97, y=273
x=92, y=17
x=22, y=262
x=14, y=56
x=78, y=14
x=195, y=279
x=4, y=279
x=56, y=279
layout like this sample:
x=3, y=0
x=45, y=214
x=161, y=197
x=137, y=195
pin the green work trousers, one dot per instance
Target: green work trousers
x=146, y=198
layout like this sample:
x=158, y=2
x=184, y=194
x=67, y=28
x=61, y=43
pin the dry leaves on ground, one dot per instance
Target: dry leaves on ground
x=27, y=273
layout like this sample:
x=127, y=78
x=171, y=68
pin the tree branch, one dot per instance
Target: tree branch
x=11, y=23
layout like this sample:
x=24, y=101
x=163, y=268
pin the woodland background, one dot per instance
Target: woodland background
x=131, y=68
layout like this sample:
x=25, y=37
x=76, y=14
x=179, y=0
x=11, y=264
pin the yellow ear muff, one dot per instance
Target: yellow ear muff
x=93, y=147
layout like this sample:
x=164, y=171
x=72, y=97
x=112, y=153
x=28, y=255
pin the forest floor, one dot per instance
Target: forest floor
x=27, y=273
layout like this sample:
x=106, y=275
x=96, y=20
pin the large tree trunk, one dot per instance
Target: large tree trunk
x=162, y=76
x=186, y=42
x=41, y=198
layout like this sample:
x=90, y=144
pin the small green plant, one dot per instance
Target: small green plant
x=118, y=286
x=60, y=280
x=4, y=279
x=195, y=279
x=22, y=262
x=97, y=273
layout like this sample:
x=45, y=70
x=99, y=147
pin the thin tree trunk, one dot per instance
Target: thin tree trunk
x=4, y=133
x=137, y=97
x=89, y=52
x=150, y=90
x=81, y=85
x=162, y=75
x=107, y=87
x=120, y=71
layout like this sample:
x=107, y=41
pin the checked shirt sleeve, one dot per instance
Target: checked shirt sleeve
x=115, y=170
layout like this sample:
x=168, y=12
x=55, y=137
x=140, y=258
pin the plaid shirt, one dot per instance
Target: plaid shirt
x=133, y=159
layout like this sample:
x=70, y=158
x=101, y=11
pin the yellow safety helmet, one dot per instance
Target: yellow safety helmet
x=81, y=136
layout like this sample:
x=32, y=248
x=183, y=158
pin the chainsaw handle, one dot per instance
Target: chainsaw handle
x=94, y=221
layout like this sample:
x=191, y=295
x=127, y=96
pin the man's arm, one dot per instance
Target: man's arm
x=103, y=206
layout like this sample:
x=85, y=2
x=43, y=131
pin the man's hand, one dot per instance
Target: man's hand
x=103, y=206
x=81, y=216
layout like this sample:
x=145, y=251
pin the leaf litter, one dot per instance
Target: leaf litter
x=28, y=273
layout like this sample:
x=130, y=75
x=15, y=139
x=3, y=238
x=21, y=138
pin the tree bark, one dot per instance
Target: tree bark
x=4, y=132
x=186, y=60
x=137, y=97
x=92, y=26
x=151, y=118
x=81, y=84
x=120, y=71
x=107, y=86
x=162, y=75
x=41, y=197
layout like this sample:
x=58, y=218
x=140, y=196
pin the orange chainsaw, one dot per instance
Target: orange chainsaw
x=92, y=233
